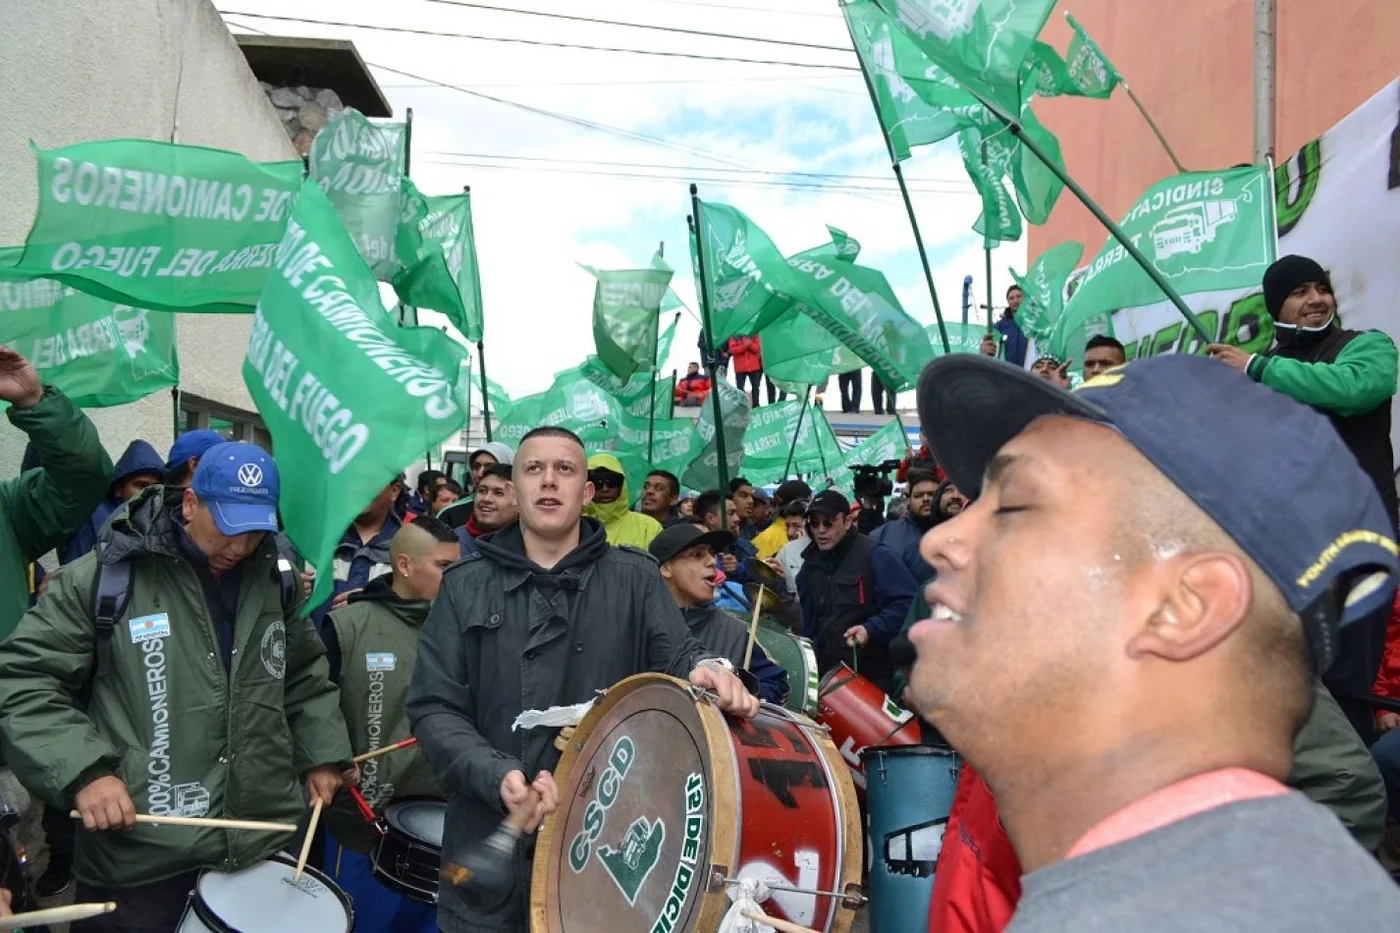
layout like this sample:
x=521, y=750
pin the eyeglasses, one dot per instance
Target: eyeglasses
x=605, y=481
x=821, y=524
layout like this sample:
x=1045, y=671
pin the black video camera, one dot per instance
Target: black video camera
x=872, y=481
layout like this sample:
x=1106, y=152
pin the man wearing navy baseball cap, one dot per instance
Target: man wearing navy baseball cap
x=208, y=696
x=184, y=455
x=1124, y=639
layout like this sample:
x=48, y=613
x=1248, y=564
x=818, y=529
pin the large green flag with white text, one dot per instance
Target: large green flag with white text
x=768, y=441
x=703, y=471
x=157, y=225
x=626, y=310
x=1044, y=288
x=349, y=396
x=962, y=338
x=746, y=273
x=436, y=247
x=888, y=443
x=1204, y=231
x=358, y=165
x=98, y=352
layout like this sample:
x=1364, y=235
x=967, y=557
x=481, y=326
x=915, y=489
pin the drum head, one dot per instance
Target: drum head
x=421, y=819
x=262, y=897
x=633, y=840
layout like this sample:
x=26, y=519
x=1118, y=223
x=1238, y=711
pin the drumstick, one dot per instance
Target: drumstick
x=365, y=809
x=753, y=626
x=306, y=843
x=406, y=743
x=782, y=926
x=488, y=862
x=209, y=822
x=63, y=914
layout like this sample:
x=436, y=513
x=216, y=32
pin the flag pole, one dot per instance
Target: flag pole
x=697, y=225
x=987, y=252
x=908, y=205
x=792, y=451
x=1152, y=124
x=485, y=398
x=655, y=362
x=1114, y=230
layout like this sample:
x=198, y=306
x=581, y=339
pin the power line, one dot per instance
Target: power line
x=536, y=42
x=800, y=80
x=749, y=9
x=616, y=22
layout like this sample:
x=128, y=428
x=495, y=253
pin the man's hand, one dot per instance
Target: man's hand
x=105, y=804
x=857, y=635
x=989, y=346
x=777, y=567
x=323, y=781
x=308, y=581
x=733, y=696
x=1386, y=721
x=1230, y=356
x=1062, y=374
x=5, y=910
x=19, y=381
x=341, y=599
x=514, y=791
x=729, y=563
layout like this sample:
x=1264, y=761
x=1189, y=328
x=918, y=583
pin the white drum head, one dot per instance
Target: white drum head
x=262, y=897
x=421, y=819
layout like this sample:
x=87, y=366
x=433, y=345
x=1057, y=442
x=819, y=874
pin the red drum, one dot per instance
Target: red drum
x=860, y=716
x=664, y=803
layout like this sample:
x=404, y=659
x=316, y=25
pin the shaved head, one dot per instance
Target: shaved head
x=419, y=553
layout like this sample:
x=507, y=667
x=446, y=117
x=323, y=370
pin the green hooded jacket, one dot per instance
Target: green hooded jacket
x=377, y=633
x=40, y=509
x=185, y=736
x=622, y=524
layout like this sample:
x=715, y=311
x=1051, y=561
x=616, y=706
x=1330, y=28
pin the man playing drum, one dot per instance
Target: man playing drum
x=545, y=614
x=1124, y=640
x=208, y=696
x=372, y=645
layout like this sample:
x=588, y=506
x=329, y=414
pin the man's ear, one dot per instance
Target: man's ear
x=1203, y=598
x=188, y=503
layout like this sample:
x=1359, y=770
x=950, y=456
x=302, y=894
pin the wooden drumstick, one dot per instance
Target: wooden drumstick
x=306, y=843
x=488, y=864
x=208, y=822
x=753, y=626
x=782, y=926
x=65, y=914
x=406, y=743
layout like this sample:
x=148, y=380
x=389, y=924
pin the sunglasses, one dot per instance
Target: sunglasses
x=822, y=523
x=605, y=480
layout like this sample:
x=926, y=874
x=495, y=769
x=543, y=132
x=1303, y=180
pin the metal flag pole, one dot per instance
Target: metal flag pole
x=696, y=220
x=792, y=451
x=655, y=362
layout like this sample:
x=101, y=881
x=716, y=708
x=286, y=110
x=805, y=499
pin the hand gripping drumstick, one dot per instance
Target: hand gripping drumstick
x=753, y=626
x=406, y=743
x=487, y=867
x=65, y=914
x=208, y=822
x=782, y=926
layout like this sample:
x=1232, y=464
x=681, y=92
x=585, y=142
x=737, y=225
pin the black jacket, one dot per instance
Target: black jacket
x=505, y=635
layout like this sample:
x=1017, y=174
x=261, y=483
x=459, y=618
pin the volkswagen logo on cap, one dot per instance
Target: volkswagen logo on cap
x=250, y=474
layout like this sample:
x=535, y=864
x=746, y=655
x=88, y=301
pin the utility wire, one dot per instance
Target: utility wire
x=617, y=22
x=537, y=42
x=643, y=82
x=749, y=9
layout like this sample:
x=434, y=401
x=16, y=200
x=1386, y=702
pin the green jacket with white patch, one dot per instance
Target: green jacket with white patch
x=185, y=736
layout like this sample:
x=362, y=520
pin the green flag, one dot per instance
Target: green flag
x=157, y=225
x=769, y=440
x=1092, y=74
x=499, y=399
x=797, y=351
x=962, y=338
x=358, y=165
x=1046, y=73
x=1204, y=231
x=626, y=309
x=847, y=247
x=671, y=301
x=573, y=401
x=1044, y=288
x=981, y=43
x=436, y=248
x=703, y=471
x=668, y=336
x=988, y=163
x=98, y=352
x=888, y=443
x=741, y=263
x=349, y=396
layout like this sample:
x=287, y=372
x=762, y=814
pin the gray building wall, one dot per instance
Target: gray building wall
x=80, y=70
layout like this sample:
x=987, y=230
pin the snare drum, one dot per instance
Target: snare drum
x=859, y=716
x=408, y=857
x=794, y=654
x=262, y=897
x=663, y=800
x=909, y=794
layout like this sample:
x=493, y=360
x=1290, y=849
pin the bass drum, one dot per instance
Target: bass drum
x=794, y=654
x=664, y=802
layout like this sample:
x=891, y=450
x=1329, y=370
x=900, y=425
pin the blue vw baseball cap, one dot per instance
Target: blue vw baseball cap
x=192, y=444
x=240, y=485
x=1318, y=530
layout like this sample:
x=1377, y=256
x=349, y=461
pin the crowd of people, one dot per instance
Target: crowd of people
x=1148, y=614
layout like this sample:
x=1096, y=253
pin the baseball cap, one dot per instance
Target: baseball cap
x=192, y=444
x=683, y=537
x=1324, y=537
x=793, y=490
x=240, y=485
x=829, y=502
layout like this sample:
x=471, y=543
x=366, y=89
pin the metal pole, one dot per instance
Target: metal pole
x=987, y=252
x=1152, y=124
x=792, y=451
x=655, y=362
x=1265, y=47
x=704, y=289
x=485, y=398
x=175, y=406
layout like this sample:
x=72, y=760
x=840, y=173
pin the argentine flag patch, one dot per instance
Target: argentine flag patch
x=379, y=661
x=145, y=628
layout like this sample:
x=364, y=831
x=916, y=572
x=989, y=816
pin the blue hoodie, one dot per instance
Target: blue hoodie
x=139, y=457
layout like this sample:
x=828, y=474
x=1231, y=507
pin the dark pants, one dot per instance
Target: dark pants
x=879, y=394
x=754, y=378
x=852, y=385
x=1361, y=645
x=150, y=908
x=773, y=393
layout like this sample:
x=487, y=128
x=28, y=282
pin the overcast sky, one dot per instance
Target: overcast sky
x=548, y=193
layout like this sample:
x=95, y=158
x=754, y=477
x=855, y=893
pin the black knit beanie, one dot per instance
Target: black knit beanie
x=1287, y=274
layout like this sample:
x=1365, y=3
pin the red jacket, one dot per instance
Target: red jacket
x=688, y=385
x=745, y=354
x=1388, y=677
x=977, y=882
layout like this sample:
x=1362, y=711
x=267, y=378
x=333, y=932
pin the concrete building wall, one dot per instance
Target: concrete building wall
x=84, y=70
x=1191, y=63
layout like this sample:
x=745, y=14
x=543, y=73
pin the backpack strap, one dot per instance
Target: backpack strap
x=290, y=584
x=110, y=592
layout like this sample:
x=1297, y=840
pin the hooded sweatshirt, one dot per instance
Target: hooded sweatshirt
x=623, y=525
x=139, y=457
